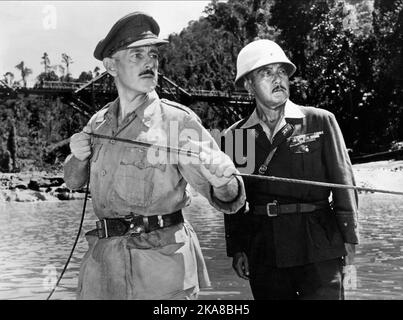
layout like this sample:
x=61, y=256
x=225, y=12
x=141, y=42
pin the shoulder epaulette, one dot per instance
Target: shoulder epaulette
x=176, y=105
x=100, y=115
x=106, y=106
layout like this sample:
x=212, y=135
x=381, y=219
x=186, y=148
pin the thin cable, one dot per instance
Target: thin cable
x=317, y=183
x=147, y=145
x=75, y=242
x=272, y=178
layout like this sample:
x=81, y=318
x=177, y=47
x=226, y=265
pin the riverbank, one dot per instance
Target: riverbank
x=50, y=229
x=44, y=186
x=35, y=186
x=380, y=175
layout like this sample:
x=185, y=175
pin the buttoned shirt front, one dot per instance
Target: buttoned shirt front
x=126, y=178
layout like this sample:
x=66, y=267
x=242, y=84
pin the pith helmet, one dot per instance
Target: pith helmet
x=259, y=53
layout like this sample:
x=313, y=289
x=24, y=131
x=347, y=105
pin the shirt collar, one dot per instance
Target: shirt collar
x=291, y=111
x=145, y=110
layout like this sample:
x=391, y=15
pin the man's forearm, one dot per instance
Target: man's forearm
x=75, y=172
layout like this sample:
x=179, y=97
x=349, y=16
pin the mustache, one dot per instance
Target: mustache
x=279, y=86
x=148, y=71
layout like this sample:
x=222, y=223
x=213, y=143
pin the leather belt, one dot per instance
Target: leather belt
x=134, y=225
x=274, y=209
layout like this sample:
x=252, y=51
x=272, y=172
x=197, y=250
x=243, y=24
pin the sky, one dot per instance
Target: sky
x=30, y=28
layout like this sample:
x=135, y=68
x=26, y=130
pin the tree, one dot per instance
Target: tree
x=67, y=60
x=8, y=78
x=12, y=144
x=85, y=76
x=46, y=62
x=244, y=20
x=24, y=72
x=5, y=159
x=295, y=19
x=48, y=76
x=96, y=71
x=203, y=55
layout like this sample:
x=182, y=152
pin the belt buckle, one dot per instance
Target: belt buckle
x=102, y=229
x=134, y=228
x=272, y=209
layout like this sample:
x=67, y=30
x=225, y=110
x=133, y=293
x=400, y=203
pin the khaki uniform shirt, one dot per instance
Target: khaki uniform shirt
x=125, y=178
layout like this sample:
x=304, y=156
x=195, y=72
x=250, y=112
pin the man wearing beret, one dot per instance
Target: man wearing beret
x=142, y=247
x=292, y=242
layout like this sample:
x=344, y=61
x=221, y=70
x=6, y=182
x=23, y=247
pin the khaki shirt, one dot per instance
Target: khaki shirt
x=127, y=179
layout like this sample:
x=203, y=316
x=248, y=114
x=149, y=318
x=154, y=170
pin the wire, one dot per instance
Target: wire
x=272, y=178
x=317, y=183
x=75, y=242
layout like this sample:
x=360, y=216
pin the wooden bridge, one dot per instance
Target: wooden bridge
x=88, y=97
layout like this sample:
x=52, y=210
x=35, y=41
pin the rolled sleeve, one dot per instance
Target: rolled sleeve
x=339, y=170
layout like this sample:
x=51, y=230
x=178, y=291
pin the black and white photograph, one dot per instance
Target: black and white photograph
x=221, y=151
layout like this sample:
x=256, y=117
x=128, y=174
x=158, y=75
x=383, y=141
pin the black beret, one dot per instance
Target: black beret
x=133, y=30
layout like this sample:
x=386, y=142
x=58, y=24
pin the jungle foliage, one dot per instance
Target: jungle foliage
x=348, y=56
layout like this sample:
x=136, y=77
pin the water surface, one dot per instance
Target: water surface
x=36, y=239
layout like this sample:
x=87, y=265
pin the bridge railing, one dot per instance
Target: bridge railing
x=59, y=85
x=217, y=93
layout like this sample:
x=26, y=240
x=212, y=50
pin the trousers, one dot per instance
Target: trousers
x=315, y=281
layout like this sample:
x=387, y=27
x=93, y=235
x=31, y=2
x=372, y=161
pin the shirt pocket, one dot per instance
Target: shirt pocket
x=96, y=149
x=134, y=179
x=306, y=159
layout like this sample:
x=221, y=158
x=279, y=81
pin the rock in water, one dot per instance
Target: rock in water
x=65, y=195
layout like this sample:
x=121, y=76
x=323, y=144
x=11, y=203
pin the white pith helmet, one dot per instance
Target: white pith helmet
x=259, y=53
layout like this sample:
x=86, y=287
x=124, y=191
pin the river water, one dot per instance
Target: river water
x=36, y=239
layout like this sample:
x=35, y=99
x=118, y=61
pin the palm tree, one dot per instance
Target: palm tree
x=24, y=72
x=67, y=61
x=46, y=62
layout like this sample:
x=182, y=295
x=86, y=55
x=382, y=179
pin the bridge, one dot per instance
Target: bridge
x=88, y=97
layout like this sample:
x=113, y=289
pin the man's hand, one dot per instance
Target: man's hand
x=241, y=265
x=350, y=248
x=80, y=145
x=217, y=168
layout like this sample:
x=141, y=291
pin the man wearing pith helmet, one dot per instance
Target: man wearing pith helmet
x=142, y=247
x=292, y=241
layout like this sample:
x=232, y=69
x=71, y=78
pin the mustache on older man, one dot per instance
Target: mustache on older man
x=279, y=86
x=147, y=71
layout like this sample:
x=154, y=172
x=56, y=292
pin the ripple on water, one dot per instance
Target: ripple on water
x=37, y=236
